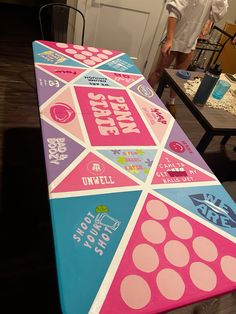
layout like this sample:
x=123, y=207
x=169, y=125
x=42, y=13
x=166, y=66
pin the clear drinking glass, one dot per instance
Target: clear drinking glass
x=220, y=89
x=107, y=221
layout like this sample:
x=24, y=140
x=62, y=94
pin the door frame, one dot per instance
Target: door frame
x=158, y=36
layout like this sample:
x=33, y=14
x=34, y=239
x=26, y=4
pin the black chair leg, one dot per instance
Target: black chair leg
x=224, y=140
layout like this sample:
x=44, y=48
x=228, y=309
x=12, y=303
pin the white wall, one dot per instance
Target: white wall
x=230, y=17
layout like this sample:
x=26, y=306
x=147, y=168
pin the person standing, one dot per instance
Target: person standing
x=185, y=22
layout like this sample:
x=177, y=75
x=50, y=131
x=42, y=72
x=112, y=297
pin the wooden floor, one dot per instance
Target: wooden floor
x=27, y=267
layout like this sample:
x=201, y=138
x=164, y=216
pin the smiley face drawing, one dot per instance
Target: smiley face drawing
x=177, y=147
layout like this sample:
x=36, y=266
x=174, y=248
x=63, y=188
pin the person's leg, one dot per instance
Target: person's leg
x=163, y=62
x=183, y=61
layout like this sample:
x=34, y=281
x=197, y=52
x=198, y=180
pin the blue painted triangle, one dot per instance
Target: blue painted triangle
x=135, y=161
x=211, y=203
x=95, y=79
x=122, y=63
x=86, y=240
x=46, y=55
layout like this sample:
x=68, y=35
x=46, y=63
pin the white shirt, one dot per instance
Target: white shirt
x=191, y=17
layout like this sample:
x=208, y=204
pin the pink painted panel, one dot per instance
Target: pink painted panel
x=111, y=118
x=93, y=173
x=170, y=260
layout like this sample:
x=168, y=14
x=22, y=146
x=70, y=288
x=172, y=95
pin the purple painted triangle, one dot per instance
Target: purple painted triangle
x=47, y=85
x=143, y=89
x=179, y=144
x=59, y=150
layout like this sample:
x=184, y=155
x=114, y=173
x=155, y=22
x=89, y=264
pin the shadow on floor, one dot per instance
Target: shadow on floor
x=27, y=266
x=224, y=169
x=221, y=165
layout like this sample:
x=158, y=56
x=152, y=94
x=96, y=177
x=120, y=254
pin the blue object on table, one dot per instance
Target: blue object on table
x=207, y=84
x=183, y=74
x=220, y=89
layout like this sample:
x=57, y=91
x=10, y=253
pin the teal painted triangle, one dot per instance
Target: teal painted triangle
x=76, y=220
x=122, y=63
x=135, y=161
x=94, y=78
x=43, y=54
x=212, y=203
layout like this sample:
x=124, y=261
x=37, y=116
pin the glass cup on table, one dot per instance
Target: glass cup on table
x=220, y=89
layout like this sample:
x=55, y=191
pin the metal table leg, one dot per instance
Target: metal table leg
x=161, y=85
x=225, y=139
x=204, y=142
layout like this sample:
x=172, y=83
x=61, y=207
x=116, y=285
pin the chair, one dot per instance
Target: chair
x=58, y=22
x=214, y=43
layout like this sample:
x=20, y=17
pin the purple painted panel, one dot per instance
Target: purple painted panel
x=142, y=88
x=180, y=144
x=47, y=85
x=59, y=150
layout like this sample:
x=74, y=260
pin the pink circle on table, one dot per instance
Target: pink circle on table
x=170, y=284
x=89, y=62
x=78, y=47
x=102, y=56
x=145, y=258
x=71, y=51
x=79, y=56
x=87, y=53
x=203, y=277
x=176, y=253
x=61, y=45
x=177, y=147
x=135, y=292
x=205, y=249
x=181, y=228
x=157, y=209
x=62, y=113
x=228, y=266
x=96, y=59
x=92, y=49
x=153, y=231
x=107, y=52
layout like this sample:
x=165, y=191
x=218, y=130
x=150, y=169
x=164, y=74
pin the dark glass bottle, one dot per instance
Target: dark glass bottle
x=207, y=84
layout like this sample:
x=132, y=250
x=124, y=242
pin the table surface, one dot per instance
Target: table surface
x=140, y=222
x=217, y=119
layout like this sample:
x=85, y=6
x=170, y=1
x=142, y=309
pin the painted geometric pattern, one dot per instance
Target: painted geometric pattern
x=134, y=206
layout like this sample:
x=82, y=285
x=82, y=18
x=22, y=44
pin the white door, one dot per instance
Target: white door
x=125, y=25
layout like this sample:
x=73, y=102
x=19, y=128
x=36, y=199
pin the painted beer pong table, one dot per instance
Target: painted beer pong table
x=140, y=222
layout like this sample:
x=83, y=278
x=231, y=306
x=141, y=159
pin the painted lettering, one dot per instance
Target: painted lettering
x=86, y=244
x=98, y=251
x=104, y=130
x=106, y=124
x=129, y=127
x=96, y=97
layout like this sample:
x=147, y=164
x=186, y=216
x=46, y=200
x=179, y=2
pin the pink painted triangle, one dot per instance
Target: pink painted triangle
x=135, y=288
x=123, y=79
x=89, y=56
x=93, y=173
x=62, y=111
x=65, y=73
x=156, y=117
x=173, y=170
